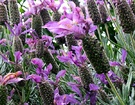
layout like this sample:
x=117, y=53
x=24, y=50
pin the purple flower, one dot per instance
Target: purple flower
x=47, y=39
x=123, y=59
x=64, y=99
x=18, y=56
x=71, y=23
x=38, y=62
x=11, y=78
x=2, y=41
x=34, y=77
x=93, y=87
x=17, y=29
x=78, y=58
x=114, y=78
x=51, y=4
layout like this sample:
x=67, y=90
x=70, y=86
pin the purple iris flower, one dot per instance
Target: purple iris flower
x=123, y=59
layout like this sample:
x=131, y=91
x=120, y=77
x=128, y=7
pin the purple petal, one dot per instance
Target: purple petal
x=114, y=63
x=48, y=69
x=124, y=55
x=75, y=89
x=93, y=87
x=17, y=55
x=38, y=62
x=60, y=74
x=2, y=41
x=14, y=80
x=34, y=77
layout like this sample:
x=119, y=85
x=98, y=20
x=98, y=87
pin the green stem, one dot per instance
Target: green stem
x=107, y=33
x=114, y=90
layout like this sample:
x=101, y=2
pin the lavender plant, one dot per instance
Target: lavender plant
x=94, y=66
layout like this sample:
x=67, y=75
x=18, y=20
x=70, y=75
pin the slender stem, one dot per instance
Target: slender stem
x=114, y=89
x=106, y=28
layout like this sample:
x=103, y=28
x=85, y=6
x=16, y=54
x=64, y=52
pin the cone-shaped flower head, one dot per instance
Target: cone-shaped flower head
x=45, y=16
x=103, y=12
x=14, y=12
x=3, y=14
x=39, y=48
x=71, y=41
x=126, y=16
x=17, y=43
x=37, y=24
x=132, y=6
x=96, y=54
x=93, y=11
x=46, y=93
x=86, y=76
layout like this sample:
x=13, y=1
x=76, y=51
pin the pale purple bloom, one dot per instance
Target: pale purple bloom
x=2, y=41
x=123, y=59
x=17, y=29
x=78, y=58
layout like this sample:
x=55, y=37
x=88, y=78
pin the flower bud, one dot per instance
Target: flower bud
x=50, y=59
x=46, y=93
x=14, y=12
x=17, y=43
x=93, y=11
x=3, y=14
x=96, y=54
x=45, y=16
x=103, y=13
x=132, y=5
x=3, y=95
x=126, y=16
x=71, y=41
x=39, y=48
x=37, y=25
x=86, y=76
